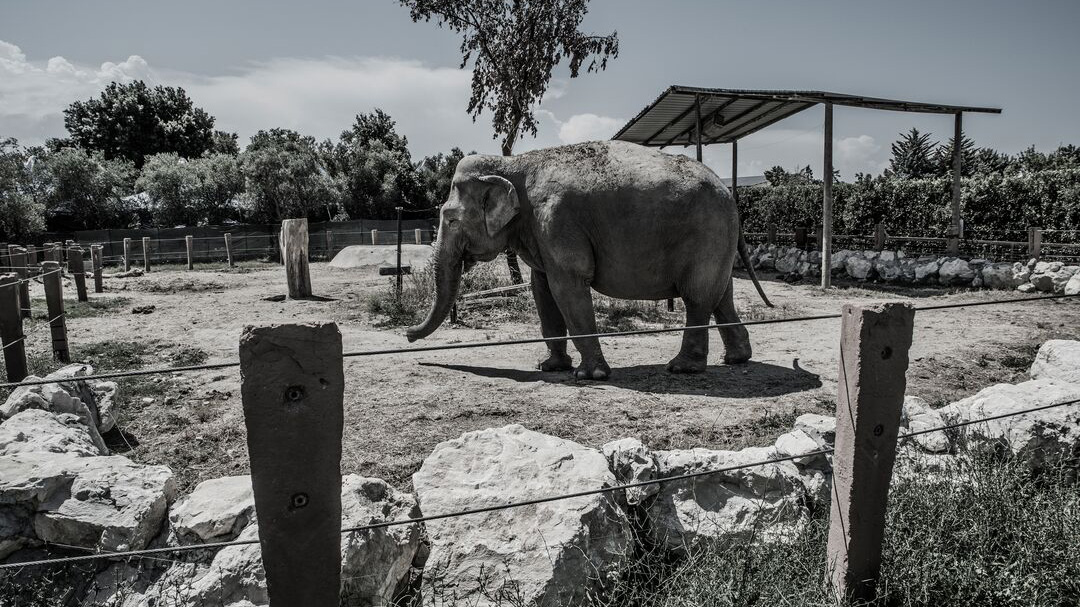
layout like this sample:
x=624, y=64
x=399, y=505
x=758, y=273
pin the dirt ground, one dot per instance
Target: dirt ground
x=398, y=407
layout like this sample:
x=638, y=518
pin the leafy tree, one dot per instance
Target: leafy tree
x=779, y=176
x=514, y=47
x=191, y=192
x=133, y=121
x=913, y=155
x=222, y=142
x=285, y=178
x=85, y=191
x=21, y=215
x=371, y=162
x=989, y=161
x=435, y=174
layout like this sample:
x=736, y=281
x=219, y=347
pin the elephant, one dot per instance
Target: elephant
x=629, y=221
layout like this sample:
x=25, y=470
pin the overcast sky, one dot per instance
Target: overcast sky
x=312, y=66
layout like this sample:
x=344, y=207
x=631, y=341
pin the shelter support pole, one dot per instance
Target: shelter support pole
x=827, y=206
x=956, y=233
x=292, y=388
x=398, y=292
x=874, y=343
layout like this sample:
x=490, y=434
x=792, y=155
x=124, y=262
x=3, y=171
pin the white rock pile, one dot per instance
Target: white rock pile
x=896, y=267
x=58, y=485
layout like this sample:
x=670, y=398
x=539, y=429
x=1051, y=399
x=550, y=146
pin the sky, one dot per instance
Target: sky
x=312, y=66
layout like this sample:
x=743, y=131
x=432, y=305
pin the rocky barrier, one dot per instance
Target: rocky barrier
x=896, y=267
x=58, y=485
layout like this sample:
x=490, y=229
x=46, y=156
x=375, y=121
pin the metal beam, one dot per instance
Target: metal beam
x=755, y=125
x=697, y=127
x=733, y=120
x=735, y=171
x=827, y=206
x=689, y=128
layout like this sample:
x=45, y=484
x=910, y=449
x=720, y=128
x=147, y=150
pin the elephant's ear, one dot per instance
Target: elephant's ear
x=500, y=205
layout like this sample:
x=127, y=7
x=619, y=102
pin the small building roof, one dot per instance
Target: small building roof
x=730, y=114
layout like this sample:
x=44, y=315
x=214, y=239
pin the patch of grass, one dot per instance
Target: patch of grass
x=628, y=315
x=188, y=356
x=112, y=355
x=97, y=306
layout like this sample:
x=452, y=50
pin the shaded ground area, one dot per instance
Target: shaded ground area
x=399, y=406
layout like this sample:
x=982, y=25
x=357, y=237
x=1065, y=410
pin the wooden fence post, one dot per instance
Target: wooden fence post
x=127, y=254
x=31, y=255
x=146, y=254
x=17, y=255
x=96, y=261
x=188, y=244
x=54, y=299
x=770, y=234
x=819, y=235
x=5, y=256
x=329, y=245
x=374, y=237
x=1034, y=242
x=77, y=268
x=419, y=235
x=56, y=252
x=294, y=244
x=228, y=248
x=12, y=339
x=800, y=238
x=879, y=237
x=874, y=342
x=292, y=388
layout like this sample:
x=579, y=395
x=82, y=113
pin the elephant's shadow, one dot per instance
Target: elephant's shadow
x=749, y=380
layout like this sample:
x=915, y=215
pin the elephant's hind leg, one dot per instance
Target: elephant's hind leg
x=736, y=339
x=552, y=324
x=694, y=354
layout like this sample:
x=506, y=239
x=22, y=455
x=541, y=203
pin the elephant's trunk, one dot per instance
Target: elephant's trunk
x=448, y=270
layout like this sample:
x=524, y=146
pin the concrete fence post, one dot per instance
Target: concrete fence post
x=292, y=388
x=189, y=243
x=54, y=300
x=77, y=268
x=12, y=338
x=879, y=237
x=146, y=254
x=374, y=237
x=31, y=255
x=96, y=263
x=228, y=249
x=1034, y=242
x=127, y=254
x=17, y=255
x=294, y=244
x=56, y=252
x=874, y=343
x=770, y=234
x=419, y=235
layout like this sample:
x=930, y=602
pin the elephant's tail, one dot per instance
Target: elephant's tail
x=744, y=255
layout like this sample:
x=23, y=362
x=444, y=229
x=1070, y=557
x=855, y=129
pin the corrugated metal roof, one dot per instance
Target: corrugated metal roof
x=730, y=114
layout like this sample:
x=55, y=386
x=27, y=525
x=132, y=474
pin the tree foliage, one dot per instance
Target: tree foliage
x=913, y=155
x=21, y=214
x=86, y=190
x=192, y=192
x=436, y=174
x=133, y=121
x=515, y=46
x=285, y=178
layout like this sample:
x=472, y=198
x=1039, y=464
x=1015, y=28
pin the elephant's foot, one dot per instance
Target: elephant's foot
x=737, y=355
x=686, y=364
x=595, y=370
x=558, y=361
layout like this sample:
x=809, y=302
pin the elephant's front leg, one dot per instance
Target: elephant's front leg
x=552, y=324
x=574, y=297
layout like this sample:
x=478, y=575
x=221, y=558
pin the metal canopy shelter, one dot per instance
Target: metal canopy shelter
x=684, y=115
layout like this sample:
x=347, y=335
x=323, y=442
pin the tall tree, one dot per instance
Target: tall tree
x=514, y=46
x=86, y=190
x=285, y=177
x=222, y=142
x=435, y=174
x=133, y=121
x=21, y=215
x=913, y=155
x=969, y=156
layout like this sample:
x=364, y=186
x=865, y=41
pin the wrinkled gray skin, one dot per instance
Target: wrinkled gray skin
x=626, y=220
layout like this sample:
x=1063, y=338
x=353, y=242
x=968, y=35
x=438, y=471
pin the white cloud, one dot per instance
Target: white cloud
x=584, y=127
x=860, y=154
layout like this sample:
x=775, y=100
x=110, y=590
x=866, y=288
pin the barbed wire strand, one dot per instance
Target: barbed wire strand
x=532, y=502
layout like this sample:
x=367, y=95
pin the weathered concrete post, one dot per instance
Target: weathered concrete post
x=77, y=268
x=17, y=255
x=127, y=254
x=12, y=339
x=228, y=249
x=146, y=254
x=96, y=261
x=31, y=255
x=294, y=244
x=56, y=252
x=329, y=245
x=292, y=387
x=1034, y=242
x=419, y=235
x=54, y=300
x=879, y=237
x=874, y=342
x=188, y=244
x=374, y=237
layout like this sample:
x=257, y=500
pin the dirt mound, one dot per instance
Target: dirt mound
x=368, y=257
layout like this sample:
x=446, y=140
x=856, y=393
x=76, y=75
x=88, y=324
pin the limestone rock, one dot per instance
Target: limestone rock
x=1039, y=438
x=838, y=263
x=800, y=445
x=1058, y=359
x=216, y=511
x=236, y=574
x=1022, y=272
x=858, y=267
x=889, y=266
x=632, y=462
x=821, y=428
x=790, y=262
x=725, y=505
x=37, y=430
x=955, y=271
x=926, y=269
x=68, y=395
x=548, y=554
x=1027, y=287
x=1000, y=276
x=917, y=416
x=1073, y=286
